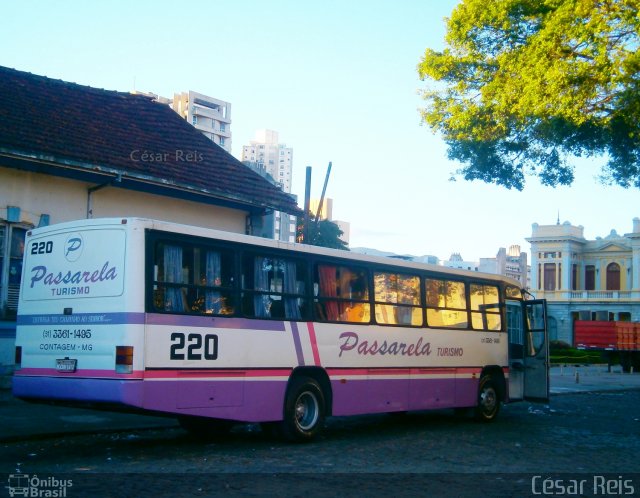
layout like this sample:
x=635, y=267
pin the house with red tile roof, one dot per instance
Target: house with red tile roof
x=69, y=151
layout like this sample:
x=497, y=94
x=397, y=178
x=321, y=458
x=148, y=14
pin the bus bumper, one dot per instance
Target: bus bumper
x=86, y=391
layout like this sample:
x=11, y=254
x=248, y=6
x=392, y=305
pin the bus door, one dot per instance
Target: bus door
x=528, y=350
x=515, y=332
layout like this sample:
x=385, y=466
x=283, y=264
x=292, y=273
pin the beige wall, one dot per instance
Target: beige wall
x=65, y=200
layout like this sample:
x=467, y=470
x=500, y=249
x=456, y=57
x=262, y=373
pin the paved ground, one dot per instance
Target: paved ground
x=21, y=420
x=569, y=379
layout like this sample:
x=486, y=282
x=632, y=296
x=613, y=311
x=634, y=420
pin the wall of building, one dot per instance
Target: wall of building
x=66, y=200
x=111, y=202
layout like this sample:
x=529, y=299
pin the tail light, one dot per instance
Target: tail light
x=18, y=362
x=124, y=359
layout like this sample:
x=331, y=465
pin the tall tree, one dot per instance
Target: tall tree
x=325, y=233
x=523, y=86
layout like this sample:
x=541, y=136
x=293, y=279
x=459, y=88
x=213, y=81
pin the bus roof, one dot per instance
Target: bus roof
x=190, y=230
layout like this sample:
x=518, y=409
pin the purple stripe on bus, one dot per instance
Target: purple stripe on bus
x=297, y=344
x=252, y=401
x=83, y=319
x=388, y=395
x=214, y=322
x=244, y=401
x=127, y=392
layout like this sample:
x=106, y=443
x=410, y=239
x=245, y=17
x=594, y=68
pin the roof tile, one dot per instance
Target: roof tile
x=124, y=132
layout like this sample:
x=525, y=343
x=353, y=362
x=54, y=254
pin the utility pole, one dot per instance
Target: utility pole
x=324, y=190
x=307, y=205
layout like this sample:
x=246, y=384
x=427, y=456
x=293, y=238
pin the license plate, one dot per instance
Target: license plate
x=66, y=365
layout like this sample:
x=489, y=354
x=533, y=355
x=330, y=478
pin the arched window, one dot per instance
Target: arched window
x=613, y=276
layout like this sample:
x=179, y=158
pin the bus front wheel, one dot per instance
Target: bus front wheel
x=304, y=410
x=488, y=400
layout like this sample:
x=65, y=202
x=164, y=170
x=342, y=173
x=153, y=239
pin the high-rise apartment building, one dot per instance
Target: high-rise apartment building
x=512, y=263
x=266, y=154
x=275, y=160
x=211, y=116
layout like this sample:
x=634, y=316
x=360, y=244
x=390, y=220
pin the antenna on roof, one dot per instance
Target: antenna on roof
x=558, y=221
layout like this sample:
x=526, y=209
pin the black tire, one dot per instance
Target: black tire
x=304, y=410
x=210, y=429
x=488, y=405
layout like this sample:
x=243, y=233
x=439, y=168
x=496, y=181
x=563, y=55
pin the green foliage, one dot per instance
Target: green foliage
x=523, y=85
x=562, y=353
x=325, y=233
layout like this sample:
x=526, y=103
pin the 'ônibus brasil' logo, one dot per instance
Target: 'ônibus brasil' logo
x=73, y=247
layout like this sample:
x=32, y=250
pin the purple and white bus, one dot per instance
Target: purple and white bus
x=216, y=327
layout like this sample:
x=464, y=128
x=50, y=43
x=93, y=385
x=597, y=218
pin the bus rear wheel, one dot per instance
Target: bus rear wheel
x=304, y=410
x=488, y=405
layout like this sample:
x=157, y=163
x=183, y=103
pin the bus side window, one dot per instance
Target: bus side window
x=273, y=287
x=215, y=294
x=511, y=292
x=397, y=299
x=190, y=279
x=343, y=294
x=446, y=304
x=171, y=297
x=485, y=307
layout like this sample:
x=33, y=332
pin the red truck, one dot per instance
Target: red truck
x=619, y=340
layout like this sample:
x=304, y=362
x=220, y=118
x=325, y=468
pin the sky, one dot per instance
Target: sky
x=337, y=80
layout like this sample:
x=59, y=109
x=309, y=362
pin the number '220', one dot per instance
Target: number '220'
x=198, y=347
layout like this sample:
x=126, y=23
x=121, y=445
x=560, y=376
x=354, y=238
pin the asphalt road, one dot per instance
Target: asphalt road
x=591, y=436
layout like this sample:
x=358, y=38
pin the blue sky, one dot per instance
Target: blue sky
x=337, y=79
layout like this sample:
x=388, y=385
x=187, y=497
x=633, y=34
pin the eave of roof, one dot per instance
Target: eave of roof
x=122, y=179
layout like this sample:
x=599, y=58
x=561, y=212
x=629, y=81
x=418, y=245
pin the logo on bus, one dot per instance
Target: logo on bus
x=73, y=247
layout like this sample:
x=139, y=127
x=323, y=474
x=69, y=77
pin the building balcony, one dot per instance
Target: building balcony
x=210, y=113
x=591, y=295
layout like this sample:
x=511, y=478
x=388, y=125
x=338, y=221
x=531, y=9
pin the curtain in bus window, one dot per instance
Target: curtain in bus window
x=291, y=308
x=213, y=271
x=345, y=279
x=173, y=296
x=261, y=283
x=328, y=288
x=353, y=289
